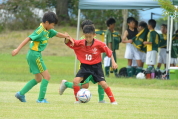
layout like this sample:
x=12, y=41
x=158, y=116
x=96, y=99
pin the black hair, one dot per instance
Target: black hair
x=136, y=23
x=88, y=29
x=152, y=23
x=143, y=24
x=50, y=17
x=110, y=21
x=86, y=22
x=176, y=31
x=164, y=25
x=130, y=19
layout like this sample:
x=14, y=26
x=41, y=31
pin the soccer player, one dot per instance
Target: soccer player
x=65, y=84
x=109, y=40
x=130, y=52
x=162, y=46
x=88, y=52
x=174, y=50
x=151, y=44
x=38, y=42
x=138, y=43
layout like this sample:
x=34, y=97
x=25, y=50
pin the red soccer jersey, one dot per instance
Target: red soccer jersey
x=89, y=54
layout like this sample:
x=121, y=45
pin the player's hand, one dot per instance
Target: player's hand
x=130, y=41
x=144, y=42
x=114, y=66
x=70, y=38
x=15, y=52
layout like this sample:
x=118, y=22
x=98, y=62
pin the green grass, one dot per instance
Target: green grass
x=133, y=103
x=141, y=99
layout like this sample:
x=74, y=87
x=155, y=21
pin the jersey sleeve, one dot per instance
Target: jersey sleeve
x=52, y=33
x=69, y=44
x=35, y=36
x=151, y=37
x=108, y=37
x=106, y=50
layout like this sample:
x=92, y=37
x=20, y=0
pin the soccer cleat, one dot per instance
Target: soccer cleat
x=20, y=97
x=43, y=101
x=102, y=101
x=62, y=87
x=77, y=102
x=114, y=103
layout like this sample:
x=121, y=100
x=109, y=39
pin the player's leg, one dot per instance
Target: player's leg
x=129, y=68
x=43, y=87
x=115, y=58
x=65, y=84
x=101, y=94
x=108, y=91
x=76, y=88
x=29, y=85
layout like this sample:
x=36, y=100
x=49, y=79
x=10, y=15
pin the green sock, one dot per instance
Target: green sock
x=138, y=70
x=106, y=71
x=134, y=70
x=28, y=86
x=70, y=84
x=43, y=88
x=100, y=93
x=130, y=71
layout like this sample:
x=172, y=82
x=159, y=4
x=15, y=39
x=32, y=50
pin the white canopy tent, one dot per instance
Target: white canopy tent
x=113, y=4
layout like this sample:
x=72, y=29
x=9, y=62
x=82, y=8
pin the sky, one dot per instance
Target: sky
x=146, y=15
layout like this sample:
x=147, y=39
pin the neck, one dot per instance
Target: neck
x=131, y=28
x=44, y=25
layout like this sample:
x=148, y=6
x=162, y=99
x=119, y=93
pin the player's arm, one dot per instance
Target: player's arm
x=110, y=45
x=114, y=65
x=124, y=38
x=66, y=36
x=149, y=40
x=16, y=51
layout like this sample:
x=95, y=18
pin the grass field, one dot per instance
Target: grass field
x=134, y=103
x=138, y=99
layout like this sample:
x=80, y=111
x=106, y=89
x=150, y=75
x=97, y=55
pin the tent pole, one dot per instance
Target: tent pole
x=170, y=42
x=167, y=49
x=78, y=30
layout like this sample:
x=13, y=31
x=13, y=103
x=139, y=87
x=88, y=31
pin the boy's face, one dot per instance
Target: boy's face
x=149, y=27
x=49, y=26
x=140, y=28
x=112, y=26
x=163, y=29
x=89, y=37
x=131, y=24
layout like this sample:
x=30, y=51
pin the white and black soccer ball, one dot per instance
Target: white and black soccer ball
x=140, y=76
x=84, y=95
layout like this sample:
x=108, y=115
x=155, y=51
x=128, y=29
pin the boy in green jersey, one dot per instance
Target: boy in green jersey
x=65, y=84
x=174, y=50
x=162, y=46
x=151, y=44
x=39, y=40
x=110, y=42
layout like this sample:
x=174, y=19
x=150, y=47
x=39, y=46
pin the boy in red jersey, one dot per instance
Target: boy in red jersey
x=88, y=52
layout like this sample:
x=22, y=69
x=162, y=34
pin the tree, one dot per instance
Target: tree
x=62, y=11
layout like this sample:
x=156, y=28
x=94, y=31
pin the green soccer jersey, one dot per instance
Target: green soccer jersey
x=39, y=38
x=152, y=37
x=109, y=38
x=139, y=39
x=163, y=41
x=174, y=49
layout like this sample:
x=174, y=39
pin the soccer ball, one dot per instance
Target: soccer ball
x=140, y=76
x=84, y=95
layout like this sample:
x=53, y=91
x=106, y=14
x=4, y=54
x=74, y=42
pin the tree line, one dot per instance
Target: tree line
x=26, y=14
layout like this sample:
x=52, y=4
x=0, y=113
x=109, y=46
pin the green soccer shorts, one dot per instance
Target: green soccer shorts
x=35, y=62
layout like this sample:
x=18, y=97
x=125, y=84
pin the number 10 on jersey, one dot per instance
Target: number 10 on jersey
x=88, y=57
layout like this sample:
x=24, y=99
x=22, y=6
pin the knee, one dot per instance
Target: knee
x=85, y=85
x=103, y=84
x=38, y=80
x=76, y=82
x=47, y=77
